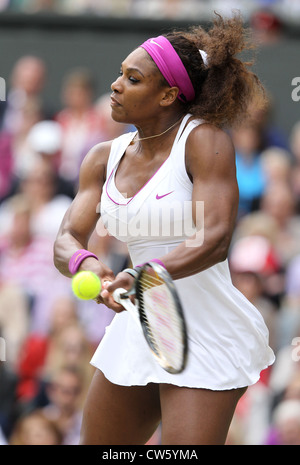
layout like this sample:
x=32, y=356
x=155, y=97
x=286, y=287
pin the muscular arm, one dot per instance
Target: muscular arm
x=82, y=216
x=210, y=161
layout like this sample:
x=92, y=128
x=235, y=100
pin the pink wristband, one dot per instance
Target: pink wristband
x=156, y=260
x=77, y=258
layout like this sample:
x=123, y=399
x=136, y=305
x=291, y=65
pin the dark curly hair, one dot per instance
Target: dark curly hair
x=226, y=87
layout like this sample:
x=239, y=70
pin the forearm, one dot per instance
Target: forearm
x=64, y=247
x=197, y=254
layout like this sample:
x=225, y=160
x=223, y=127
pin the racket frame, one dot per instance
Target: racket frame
x=136, y=310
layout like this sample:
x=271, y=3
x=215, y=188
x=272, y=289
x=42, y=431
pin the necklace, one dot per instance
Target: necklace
x=156, y=135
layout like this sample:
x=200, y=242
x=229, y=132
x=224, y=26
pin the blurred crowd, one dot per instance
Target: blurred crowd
x=50, y=336
x=175, y=9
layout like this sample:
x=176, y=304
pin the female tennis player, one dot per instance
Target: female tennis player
x=181, y=91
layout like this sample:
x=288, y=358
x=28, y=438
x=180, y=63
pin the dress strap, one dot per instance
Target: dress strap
x=118, y=148
x=178, y=152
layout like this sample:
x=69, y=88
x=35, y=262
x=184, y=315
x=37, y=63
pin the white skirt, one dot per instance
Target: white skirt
x=227, y=339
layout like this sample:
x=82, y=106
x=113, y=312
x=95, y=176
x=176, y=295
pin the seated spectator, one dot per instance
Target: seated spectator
x=252, y=261
x=279, y=202
x=14, y=319
x=64, y=408
x=70, y=346
x=263, y=226
x=79, y=122
x=286, y=424
x=32, y=362
x=277, y=165
x=45, y=139
x=27, y=82
x=35, y=429
x=250, y=174
x=23, y=155
x=289, y=318
x=26, y=261
x=47, y=207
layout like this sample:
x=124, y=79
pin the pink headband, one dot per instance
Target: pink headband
x=171, y=66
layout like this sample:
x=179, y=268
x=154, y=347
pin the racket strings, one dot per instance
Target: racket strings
x=161, y=319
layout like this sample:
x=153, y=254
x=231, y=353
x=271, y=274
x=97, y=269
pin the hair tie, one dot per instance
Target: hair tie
x=204, y=57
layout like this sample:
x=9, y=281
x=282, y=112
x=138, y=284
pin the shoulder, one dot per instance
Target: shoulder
x=209, y=148
x=93, y=167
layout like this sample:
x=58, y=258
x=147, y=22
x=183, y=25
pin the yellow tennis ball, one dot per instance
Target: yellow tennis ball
x=86, y=285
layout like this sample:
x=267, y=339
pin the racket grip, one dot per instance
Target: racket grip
x=127, y=304
x=117, y=295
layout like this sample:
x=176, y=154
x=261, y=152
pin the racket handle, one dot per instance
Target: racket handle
x=117, y=295
x=126, y=303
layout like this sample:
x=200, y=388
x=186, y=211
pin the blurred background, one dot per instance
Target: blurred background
x=58, y=59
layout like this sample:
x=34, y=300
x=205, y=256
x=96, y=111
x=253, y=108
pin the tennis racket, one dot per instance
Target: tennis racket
x=158, y=312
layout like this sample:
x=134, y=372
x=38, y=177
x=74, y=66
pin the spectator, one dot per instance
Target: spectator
x=48, y=207
x=293, y=280
x=286, y=424
x=271, y=134
x=278, y=201
x=23, y=155
x=293, y=389
x=250, y=174
x=32, y=362
x=277, y=165
x=27, y=82
x=79, y=121
x=289, y=317
x=252, y=262
x=64, y=407
x=14, y=319
x=45, y=139
x=266, y=25
x=70, y=347
x=35, y=429
x=285, y=369
x=26, y=262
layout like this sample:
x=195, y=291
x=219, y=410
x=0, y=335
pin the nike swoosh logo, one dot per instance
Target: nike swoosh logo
x=153, y=42
x=161, y=196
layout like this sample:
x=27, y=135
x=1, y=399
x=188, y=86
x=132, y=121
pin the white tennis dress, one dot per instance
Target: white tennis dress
x=227, y=337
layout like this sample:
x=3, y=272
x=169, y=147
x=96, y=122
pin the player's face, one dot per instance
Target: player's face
x=138, y=90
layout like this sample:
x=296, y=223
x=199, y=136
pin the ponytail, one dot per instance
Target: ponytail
x=225, y=87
